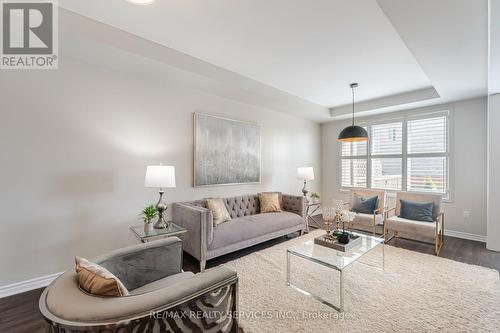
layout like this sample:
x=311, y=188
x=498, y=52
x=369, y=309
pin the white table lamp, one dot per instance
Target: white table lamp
x=160, y=176
x=305, y=174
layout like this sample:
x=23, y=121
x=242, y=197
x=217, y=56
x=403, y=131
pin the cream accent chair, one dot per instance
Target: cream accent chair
x=397, y=224
x=368, y=221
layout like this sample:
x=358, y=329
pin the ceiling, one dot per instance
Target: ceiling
x=421, y=51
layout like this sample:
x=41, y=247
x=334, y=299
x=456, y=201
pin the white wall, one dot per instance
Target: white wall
x=74, y=145
x=468, y=164
x=493, y=127
x=493, y=172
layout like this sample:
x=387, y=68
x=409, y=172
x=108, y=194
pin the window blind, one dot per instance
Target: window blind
x=427, y=155
x=409, y=155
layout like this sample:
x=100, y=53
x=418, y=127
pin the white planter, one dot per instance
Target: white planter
x=148, y=227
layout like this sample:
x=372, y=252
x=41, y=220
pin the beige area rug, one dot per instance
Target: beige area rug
x=416, y=293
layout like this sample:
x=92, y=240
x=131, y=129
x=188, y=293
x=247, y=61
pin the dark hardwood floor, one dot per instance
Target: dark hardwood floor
x=19, y=313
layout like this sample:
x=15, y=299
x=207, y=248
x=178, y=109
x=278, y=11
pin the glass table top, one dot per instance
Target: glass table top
x=172, y=230
x=333, y=258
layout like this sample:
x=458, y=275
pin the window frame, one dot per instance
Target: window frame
x=404, y=119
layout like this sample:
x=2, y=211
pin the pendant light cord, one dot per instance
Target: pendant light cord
x=352, y=88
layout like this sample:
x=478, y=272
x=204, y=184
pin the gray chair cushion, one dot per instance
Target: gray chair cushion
x=248, y=227
x=381, y=202
x=162, y=283
x=420, y=197
x=417, y=211
x=364, y=205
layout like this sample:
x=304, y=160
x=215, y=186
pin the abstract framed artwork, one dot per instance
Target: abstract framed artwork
x=226, y=151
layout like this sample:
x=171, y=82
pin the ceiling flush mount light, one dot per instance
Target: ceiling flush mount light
x=353, y=133
x=141, y=2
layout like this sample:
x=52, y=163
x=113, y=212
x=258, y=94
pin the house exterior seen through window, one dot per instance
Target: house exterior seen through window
x=410, y=154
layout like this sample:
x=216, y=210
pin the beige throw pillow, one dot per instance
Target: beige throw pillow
x=269, y=202
x=218, y=209
x=97, y=280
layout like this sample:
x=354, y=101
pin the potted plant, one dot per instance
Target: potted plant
x=315, y=197
x=147, y=215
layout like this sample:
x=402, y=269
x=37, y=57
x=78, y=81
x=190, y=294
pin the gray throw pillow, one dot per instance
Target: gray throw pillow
x=364, y=205
x=417, y=211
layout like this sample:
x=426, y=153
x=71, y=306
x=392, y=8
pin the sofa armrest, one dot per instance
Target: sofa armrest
x=294, y=204
x=199, y=224
x=141, y=264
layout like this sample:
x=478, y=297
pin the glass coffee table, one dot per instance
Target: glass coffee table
x=333, y=259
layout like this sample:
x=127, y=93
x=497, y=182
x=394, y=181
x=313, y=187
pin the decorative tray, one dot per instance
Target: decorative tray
x=331, y=242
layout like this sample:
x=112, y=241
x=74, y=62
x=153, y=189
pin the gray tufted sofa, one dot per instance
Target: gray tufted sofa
x=247, y=226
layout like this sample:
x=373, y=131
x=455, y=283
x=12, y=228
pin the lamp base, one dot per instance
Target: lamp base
x=304, y=190
x=161, y=224
x=161, y=207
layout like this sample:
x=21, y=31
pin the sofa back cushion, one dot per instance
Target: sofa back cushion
x=243, y=205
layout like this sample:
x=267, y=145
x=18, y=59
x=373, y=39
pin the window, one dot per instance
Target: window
x=410, y=154
x=354, y=164
x=428, y=155
x=387, y=155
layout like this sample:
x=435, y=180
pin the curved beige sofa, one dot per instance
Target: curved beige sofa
x=158, y=287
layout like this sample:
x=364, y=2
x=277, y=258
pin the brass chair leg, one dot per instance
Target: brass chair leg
x=442, y=229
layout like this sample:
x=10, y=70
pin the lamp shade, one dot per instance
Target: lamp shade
x=353, y=134
x=305, y=173
x=161, y=176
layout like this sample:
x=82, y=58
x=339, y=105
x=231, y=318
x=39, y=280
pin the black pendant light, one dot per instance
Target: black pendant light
x=353, y=133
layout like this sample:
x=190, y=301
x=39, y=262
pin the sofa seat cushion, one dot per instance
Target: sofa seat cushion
x=162, y=283
x=367, y=219
x=400, y=224
x=253, y=226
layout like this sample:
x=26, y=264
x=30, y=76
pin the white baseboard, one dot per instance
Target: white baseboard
x=465, y=235
x=23, y=286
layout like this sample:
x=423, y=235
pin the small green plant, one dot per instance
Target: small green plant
x=148, y=214
x=314, y=195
